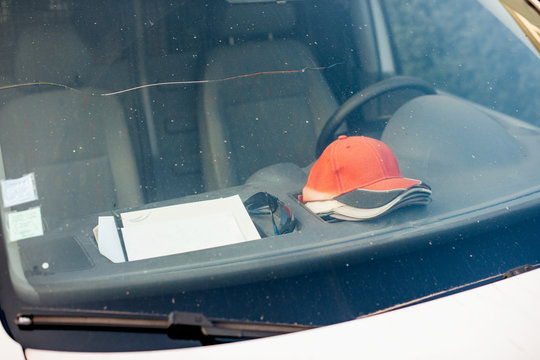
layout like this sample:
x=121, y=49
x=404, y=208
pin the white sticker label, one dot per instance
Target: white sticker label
x=25, y=224
x=19, y=191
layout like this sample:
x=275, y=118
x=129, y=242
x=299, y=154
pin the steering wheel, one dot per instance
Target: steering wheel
x=364, y=96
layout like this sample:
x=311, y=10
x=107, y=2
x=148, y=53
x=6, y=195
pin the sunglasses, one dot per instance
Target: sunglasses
x=262, y=204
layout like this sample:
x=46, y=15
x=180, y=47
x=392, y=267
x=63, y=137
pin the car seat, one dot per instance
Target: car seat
x=250, y=122
x=77, y=145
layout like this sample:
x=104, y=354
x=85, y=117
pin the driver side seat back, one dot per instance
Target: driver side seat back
x=269, y=112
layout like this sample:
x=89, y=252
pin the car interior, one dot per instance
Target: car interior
x=201, y=136
x=161, y=105
x=88, y=143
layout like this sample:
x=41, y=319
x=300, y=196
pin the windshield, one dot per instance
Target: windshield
x=206, y=156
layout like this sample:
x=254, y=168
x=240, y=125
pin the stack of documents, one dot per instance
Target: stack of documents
x=175, y=229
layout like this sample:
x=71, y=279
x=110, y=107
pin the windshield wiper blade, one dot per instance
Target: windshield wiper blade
x=182, y=325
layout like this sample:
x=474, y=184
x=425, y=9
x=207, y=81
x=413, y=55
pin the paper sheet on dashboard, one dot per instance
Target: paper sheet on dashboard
x=186, y=227
x=108, y=240
x=174, y=237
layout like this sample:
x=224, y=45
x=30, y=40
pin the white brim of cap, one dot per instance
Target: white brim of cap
x=339, y=210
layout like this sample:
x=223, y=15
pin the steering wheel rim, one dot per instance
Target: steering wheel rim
x=364, y=96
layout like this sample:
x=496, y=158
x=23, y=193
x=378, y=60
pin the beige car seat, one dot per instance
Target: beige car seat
x=78, y=145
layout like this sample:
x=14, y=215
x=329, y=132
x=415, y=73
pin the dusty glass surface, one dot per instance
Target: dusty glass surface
x=107, y=108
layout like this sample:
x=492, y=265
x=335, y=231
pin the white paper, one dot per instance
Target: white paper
x=186, y=227
x=25, y=224
x=109, y=243
x=19, y=191
x=184, y=235
x=231, y=205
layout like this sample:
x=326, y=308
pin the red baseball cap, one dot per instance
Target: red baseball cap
x=355, y=163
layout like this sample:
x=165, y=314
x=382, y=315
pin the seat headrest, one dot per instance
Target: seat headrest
x=255, y=19
x=50, y=54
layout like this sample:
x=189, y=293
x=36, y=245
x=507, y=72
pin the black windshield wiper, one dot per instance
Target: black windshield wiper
x=180, y=325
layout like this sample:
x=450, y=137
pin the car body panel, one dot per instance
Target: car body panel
x=496, y=321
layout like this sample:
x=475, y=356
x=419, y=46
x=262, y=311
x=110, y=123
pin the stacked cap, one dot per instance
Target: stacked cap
x=358, y=178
